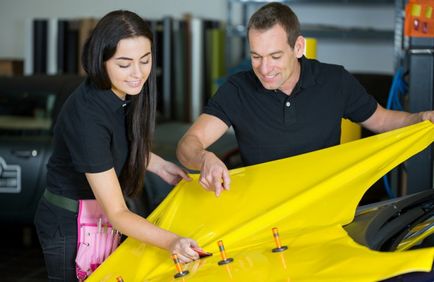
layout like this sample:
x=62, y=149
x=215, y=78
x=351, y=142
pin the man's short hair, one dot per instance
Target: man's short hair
x=276, y=13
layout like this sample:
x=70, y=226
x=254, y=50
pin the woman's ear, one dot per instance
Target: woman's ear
x=299, y=46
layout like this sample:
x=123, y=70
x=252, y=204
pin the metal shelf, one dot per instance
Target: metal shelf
x=355, y=2
x=313, y=30
x=359, y=34
x=331, y=32
x=326, y=32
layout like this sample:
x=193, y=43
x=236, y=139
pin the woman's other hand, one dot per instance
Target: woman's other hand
x=168, y=171
x=183, y=248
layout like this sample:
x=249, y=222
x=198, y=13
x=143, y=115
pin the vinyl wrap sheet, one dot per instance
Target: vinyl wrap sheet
x=308, y=197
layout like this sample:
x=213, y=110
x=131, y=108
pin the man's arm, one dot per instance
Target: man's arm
x=191, y=152
x=383, y=120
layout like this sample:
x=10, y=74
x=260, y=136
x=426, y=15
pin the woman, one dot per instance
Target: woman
x=102, y=142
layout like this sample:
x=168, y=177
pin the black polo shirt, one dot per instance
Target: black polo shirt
x=89, y=136
x=271, y=125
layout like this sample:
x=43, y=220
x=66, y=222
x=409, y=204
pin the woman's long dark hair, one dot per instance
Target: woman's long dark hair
x=99, y=48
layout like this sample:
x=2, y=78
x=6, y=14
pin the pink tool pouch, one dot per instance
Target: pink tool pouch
x=96, y=238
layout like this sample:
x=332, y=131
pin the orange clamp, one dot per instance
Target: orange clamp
x=279, y=247
x=225, y=260
x=180, y=272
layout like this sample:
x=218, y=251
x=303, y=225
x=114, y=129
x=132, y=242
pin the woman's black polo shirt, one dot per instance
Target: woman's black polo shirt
x=89, y=136
x=271, y=125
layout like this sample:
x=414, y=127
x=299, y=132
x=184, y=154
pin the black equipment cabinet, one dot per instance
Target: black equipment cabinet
x=419, y=168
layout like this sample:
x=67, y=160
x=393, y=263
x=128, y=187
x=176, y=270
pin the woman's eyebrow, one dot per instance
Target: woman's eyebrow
x=130, y=59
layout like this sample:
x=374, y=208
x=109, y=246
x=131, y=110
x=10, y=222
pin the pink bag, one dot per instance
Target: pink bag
x=96, y=238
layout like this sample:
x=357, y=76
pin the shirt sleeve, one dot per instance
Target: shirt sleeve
x=359, y=105
x=88, y=140
x=219, y=104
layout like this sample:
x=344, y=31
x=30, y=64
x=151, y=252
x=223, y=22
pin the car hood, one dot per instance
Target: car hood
x=308, y=197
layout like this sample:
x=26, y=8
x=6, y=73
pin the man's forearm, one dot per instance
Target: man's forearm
x=400, y=119
x=384, y=120
x=190, y=152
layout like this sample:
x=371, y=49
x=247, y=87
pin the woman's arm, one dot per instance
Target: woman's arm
x=168, y=171
x=106, y=188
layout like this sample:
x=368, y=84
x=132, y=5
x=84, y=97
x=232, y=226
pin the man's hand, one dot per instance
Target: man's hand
x=214, y=175
x=427, y=116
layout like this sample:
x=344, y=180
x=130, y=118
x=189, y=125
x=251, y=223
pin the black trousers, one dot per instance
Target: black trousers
x=57, y=233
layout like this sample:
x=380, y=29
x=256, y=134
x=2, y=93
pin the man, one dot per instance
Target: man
x=286, y=105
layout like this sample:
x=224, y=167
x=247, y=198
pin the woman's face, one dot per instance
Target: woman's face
x=130, y=66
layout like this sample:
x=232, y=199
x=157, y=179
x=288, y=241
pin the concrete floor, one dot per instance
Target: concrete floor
x=21, y=258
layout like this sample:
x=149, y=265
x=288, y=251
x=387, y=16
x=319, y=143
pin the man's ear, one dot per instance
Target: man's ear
x=299, y=46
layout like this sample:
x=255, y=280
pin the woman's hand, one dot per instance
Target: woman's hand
x=168, y=171
x=183, y=248
x=172, y=174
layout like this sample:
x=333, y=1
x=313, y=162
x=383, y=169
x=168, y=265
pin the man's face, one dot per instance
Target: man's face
x=273, y=60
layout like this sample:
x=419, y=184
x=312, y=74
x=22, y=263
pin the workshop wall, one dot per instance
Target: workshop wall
x=372, y=55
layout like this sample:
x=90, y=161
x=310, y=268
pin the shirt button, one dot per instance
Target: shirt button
x=287, y=104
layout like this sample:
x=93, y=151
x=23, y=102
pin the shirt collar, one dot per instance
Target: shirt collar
x=308, y=76
x=114, y=102
x=111, y=99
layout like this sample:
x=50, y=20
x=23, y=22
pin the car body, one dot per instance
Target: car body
x=311, y=198
x=397, y=224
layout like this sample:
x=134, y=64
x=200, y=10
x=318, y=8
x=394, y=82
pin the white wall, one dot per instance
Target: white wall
x=355, y=56
x=358, y=56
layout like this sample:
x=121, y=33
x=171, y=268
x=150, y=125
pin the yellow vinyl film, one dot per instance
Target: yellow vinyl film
x=308, y=197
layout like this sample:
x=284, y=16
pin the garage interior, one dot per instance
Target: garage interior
x=199, y=43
